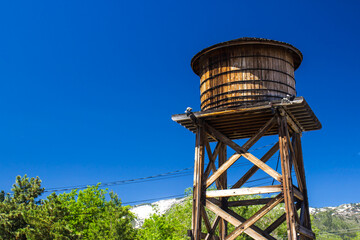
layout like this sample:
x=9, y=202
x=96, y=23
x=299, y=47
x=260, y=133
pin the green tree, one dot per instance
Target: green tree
x=172, y=225
x=84, y=214
x=13, y=207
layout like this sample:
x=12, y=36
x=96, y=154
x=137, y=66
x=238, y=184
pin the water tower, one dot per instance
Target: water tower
x=247, y=89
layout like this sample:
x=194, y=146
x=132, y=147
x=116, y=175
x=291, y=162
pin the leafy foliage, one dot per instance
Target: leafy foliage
x=170, y=226
x=332, y=226
x=13, y=207
x=82, y=214
x=95, y=213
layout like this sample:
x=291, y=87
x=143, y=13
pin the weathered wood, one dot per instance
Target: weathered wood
x=234, y=221
x=278, y=221
x=290, y=121
x=249, y=156
x=202, y=235
x=250, y=202
x=230, y=121
x=198, y=185
x=301, y=170
x=253, y=227
x=276, y=224
x=305, y=231
x=292, y=157
x=212, y=157
x=298, y=194
x=215, y=201
x=302, y=214
x=240, y=152
x=206, y=219
x=298, y=173
x=222, y=169
x=211, y=233
x=259, y=214
x=269, y=124
x=287, y=181
x=223, y=226
x=246, y=146
x=254, y=169
x=243, y=191
x=245, y=71
x=290, y=152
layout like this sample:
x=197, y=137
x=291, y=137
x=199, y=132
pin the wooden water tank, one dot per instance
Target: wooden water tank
x=245, y=71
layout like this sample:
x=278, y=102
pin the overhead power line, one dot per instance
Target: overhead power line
x=162, y=176
x=128, y=181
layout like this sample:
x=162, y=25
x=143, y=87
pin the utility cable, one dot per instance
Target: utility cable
x=172, y=174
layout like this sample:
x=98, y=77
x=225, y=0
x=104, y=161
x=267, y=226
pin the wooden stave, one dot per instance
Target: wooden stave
x=219, y=65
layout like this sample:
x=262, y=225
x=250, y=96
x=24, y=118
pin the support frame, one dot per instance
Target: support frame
x=294, y=198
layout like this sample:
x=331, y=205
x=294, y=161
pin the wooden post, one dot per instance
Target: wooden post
x=299, y=169
x=223, y=179
x=217, y=200
x=287, y=180
x=198, y=189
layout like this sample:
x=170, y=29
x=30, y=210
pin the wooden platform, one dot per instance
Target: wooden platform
x=245, y=122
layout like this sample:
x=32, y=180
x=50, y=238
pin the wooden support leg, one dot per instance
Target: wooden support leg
x=287, y=180
x=198, y=187
x=223, y=179
x=300, y=170
x=217, y=200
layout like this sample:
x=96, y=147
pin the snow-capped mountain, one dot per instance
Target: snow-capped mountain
x=144, y=211
x=349, y=210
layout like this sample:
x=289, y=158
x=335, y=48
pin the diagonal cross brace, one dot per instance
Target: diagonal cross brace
x=236, y=220
x=241, y=151
x=264, y=210
x=212, y=157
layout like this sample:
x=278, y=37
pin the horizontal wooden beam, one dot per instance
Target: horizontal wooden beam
x=243, y=191
x=232, y=220
x=260, y=201
x=215, y=201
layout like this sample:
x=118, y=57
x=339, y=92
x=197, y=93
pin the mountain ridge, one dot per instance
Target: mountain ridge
x=350, y=211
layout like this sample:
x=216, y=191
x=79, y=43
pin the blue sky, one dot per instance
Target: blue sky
x=87, y=88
